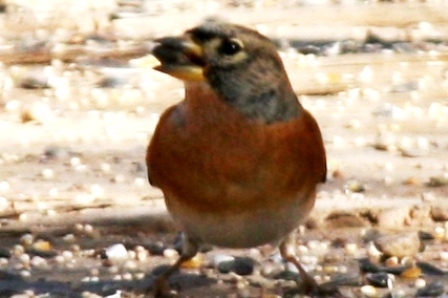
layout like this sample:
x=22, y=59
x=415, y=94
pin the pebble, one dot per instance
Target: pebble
x=413, y=272
x=420, y=283
x=54, y=152
x=37, y=112
x=219, y=258
x=438, y=181
x=156, y=248
x=170, y=253
x=369, y=291
x=47, y=174
x=4, y=253
x=393, y=218
x=434, y=289
x=116, y=252
x=380, y=279
x=439, y=213
x=340, y=219
x=399, y=245
x=26, y=239
x=244, y=265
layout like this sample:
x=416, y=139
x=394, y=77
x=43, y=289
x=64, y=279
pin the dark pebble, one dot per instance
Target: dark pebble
x=288, y=275
x=226, y=266
x=244, y=265
x=55, y=152
x=434, y=289
x=425, y=236
x=380, y=279
x=46, y=254
x=429, y=269
x=155, y=248
x=5, y=253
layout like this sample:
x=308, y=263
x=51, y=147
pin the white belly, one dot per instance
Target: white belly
x=239, y=230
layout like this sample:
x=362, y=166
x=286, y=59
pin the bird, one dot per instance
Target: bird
x=239, y=159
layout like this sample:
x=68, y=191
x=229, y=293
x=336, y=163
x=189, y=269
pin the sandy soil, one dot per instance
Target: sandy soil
x=72, y=150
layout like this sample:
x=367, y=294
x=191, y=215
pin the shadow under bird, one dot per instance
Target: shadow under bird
x=239, y=159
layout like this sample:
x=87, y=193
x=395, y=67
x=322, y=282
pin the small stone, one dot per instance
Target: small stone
x=392, y=262
x=226, y=266
x=27, y=239
x=244, y=265
x=170, y=253
x=217, y=259
x=438, y=181
x=116, y=252
x=380, y=279
x=393, y=218
x=399, y=245
x=354, y=186
x=434, y=289
x=156, y=248
x=413, y=272
x=38, y=112
x=369, y=291
x=55, y=153
x=4, y=253
x=47, y=174
x=420, y=283
x=439, y=213
x=340, y=219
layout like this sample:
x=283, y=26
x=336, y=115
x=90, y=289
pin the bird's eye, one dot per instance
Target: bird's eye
x=230, y=46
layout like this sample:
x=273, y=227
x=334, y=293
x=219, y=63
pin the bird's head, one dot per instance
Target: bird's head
x=239, y=63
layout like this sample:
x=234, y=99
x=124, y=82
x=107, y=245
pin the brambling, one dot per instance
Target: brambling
x=239, y=159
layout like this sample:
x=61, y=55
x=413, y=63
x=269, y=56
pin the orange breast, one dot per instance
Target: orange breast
x=212, y=158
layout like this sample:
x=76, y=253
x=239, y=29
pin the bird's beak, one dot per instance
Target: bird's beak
x=180, y=57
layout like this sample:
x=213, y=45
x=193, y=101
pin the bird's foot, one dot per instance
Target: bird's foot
x=160, y=288
x=314, y=290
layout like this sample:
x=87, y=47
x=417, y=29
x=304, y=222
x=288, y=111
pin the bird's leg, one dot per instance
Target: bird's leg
x=309, y=285
x=161, y=285
x=288, y=253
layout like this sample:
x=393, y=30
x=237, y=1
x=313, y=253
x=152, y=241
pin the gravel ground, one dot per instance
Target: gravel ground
x=78, y=105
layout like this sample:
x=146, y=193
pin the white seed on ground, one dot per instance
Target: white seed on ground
x=59, y=259
x=116, y=251
x=84, y=198
x=37, y=261
x=69, y=238
x=170, y=253
x=439, y=233
x=75, y=161
x=27, y=239
x=47, y=174
x=391, y=261
x=351, y=248
x=25, y=273
x=140, y=181
x=25, y=258
x=97, y=190
x=105, y=167
x=4, y=186
x=67, y=255
x=420, y=283
x=139, y=275
x=372, y=251
x=3, y=203
x=88, y=229
x=369, y=291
